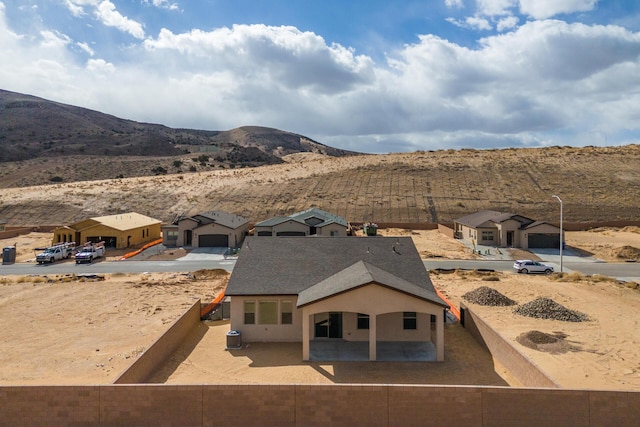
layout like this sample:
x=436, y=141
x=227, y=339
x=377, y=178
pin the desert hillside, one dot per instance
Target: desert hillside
x=43, y=141
x=596, y=184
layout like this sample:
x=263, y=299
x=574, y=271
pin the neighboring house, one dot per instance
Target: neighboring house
x=502, y=229
x=311, y=222
x=373, y=293
x=117, y=231
x=207, y=229
x=2, y=225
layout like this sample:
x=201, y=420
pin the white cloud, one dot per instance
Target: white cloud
x=163, y=4
x=453, y=3
x=100, y=66
x=85, y=47
x=106, y=12
x=76, y=7
x=478, y=23
x=494, y=7
x=52, y=39
x=285, y=55
x=542, y=9
x=507, y=23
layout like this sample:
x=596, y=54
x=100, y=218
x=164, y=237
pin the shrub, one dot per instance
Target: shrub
x=56, y=179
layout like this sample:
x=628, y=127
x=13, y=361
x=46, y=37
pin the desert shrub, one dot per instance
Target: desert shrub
x=177, y=163
x=192, y=168
x=56, y=179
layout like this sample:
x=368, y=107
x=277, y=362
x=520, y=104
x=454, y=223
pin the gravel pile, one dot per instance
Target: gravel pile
x=546, y=308
x=485, y=295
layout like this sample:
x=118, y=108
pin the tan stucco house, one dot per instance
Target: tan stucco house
x=311, y=222
x=370, y=296
x=207, y=229
x=503, y=229
x=117, y=231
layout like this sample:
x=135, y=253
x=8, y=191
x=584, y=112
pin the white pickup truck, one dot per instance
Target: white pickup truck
x=55, y=253
x=89, y=252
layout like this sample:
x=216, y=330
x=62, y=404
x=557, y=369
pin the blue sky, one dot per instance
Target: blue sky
x=372, y=76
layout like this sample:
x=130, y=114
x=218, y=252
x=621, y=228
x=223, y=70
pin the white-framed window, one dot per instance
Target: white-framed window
x=268, y=312
x=487, y=235
x=363, y=321
x=286, y=312
x=409, y=320
x=172, y=235
x=333, y=233
x=249, y=312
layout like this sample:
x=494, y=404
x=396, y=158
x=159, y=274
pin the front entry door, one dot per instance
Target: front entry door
x=509, y=238
x=328, y=325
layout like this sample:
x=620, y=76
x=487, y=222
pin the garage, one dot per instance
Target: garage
x=291, y=233
x=544, y=240
x=213, y=240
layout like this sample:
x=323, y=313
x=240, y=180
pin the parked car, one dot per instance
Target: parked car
x=526, y=266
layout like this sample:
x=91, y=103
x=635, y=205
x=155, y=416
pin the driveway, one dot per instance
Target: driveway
x=204, y=254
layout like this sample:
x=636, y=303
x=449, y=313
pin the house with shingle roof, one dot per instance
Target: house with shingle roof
x=207, y=229
x=374, y=293
x=504, y=229
x=117, y=231
x=310, y=222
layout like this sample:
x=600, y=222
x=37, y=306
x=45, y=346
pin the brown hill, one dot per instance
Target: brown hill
x=34, y=130
x=597, y=184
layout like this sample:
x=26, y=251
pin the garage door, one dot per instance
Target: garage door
x=213, y=240
x=540, y=240
x=291, y=233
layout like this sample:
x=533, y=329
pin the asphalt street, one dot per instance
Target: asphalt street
x=622, y=271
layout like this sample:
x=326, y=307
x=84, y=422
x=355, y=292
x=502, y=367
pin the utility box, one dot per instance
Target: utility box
x=9, y=255
x=234, y=340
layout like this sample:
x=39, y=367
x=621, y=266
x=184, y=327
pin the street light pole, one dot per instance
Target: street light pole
x=561, y=235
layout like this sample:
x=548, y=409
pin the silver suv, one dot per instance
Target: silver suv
x=529, y=266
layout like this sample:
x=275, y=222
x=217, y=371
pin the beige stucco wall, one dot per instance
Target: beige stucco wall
x=373, y=300
x=151, y=232
x=235, y=236
x=326, y=230
x=386, y=304
x=541, y=228
x=266, y=333
x=290, y=226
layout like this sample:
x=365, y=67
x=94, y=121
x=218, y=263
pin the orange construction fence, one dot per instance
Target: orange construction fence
x=136, y=252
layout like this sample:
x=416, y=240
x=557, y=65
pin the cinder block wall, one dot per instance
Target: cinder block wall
x=150, y=360
x=519, y=365
x=313, y=405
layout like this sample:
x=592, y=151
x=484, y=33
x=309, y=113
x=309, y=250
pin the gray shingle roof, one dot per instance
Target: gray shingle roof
x=488, y=219
x=289, y=265
x=360, y=274
x=226, y=219
x=326, y=217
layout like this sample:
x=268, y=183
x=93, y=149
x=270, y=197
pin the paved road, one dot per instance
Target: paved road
x=627, y=271
x=104, y=267
x=622, y=271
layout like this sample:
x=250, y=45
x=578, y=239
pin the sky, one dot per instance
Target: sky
x=371, y=76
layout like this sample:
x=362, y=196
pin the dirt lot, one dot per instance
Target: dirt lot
x=64, y=330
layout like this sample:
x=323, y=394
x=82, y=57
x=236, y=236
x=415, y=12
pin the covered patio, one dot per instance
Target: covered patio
x=358, y=351
x=365, y=313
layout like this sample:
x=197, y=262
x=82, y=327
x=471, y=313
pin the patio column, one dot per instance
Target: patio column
x=372, y=337
x=440, y=336
x=305, y=335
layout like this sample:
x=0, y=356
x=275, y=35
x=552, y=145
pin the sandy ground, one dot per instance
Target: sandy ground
x=63, y=330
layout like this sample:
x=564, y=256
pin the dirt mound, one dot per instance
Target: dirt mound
x=546, y=308
x=551, y=343
x=628, y=252
x=485, y=295
x=209, y=274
